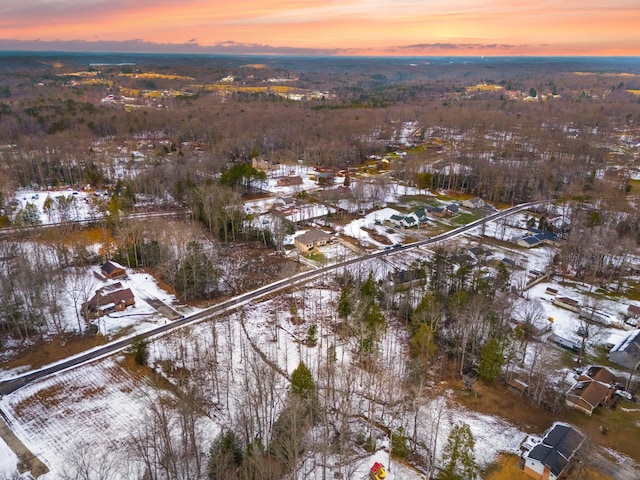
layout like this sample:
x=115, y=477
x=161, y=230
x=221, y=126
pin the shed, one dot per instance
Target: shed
x=111, y=269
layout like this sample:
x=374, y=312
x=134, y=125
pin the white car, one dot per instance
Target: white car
x=624, y=394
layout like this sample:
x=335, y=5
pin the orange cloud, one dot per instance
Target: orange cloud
x=549, y=28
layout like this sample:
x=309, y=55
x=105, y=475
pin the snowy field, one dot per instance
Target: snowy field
x=99, y=407
x=78, y=205
x=135, y=319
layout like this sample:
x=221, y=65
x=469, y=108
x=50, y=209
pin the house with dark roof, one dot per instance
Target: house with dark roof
x=112, y=270
x=311, y=239
x=536, y=237
x=437, y=211
x=593, y=388
x=568, y=303
x=453, y=208
x=405, y=276
x=111, y=298
x=550, y=458
x=413, y=219
x=627, y=351
x=397, y=220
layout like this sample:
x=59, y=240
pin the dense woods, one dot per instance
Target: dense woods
x=180, y=141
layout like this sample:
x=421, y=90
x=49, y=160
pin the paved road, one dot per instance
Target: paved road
x=615, y=470
x=15, y=383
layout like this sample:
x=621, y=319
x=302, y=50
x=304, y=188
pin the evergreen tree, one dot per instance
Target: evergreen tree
x=139, y=346
x=302, y=383
x=458, y=457
x=345, y=308
x=399, y=447
x=226, y=456
x=491, y=361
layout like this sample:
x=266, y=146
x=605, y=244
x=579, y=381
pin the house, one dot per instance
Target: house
x=311, y=239
x=536, y=237
x=285, y=201
x=627, y=351
x=633, y=311
x=262, y=164
x=414, y=219
x=453, y=208
x=475, y=202
x=478, y=253
x=568, y=303
x=112, y=270
x=438, y=212
x=290, y=181
x=549, y=458
x=405, y=276
x=511, y=263
x=421, y=216
x=112, y=298
x=593, y=388
x=397, y=220
x=528, y=241
x=322, y=178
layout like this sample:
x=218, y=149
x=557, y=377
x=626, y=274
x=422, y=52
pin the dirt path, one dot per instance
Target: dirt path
x=163, y=309
x=27, y=460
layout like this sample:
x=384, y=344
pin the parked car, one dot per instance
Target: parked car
x=624, y=394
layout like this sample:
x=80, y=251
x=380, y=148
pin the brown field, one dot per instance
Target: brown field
x=151, y=75
x=508, y=467
x=622, y=421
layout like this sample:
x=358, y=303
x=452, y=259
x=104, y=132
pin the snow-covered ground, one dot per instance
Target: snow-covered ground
x=99, y=407
x=78, y=205
x=135, y=319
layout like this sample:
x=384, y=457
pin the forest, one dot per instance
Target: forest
x=171, y=155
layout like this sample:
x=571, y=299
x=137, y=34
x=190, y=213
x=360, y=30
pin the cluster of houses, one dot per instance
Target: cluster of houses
x=421, y=216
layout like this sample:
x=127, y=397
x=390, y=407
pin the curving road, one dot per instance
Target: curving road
x=12, y=384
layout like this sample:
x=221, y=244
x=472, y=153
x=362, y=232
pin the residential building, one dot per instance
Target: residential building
x=568, y=303
x=593, y=388
x=311, y=239
x=475, y=202
x=627, y=351
x=550, y=458
x=106, y=300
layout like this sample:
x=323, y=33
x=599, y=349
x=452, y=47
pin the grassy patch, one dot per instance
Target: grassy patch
x=633, y=293
x=315, y=256
x=498, y=401
x=507, y=467
x=622, y=423
x=465, y=218
x=377, y=237
x=52, y=350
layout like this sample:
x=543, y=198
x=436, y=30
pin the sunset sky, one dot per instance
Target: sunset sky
x=343, y=27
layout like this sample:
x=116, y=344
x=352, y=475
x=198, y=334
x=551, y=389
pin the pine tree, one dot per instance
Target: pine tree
x=491, y=360
x=302, y=383
x=140, y=350
x=458, y=457
x=345, y=308
x=226, y=456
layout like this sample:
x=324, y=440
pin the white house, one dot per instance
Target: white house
x=549, y=458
